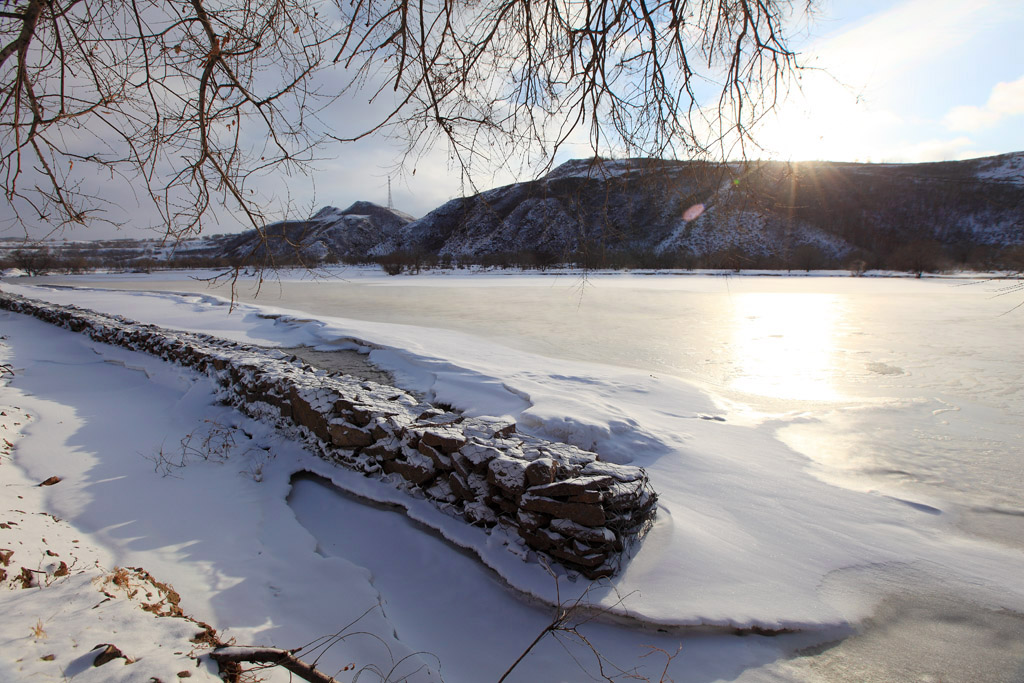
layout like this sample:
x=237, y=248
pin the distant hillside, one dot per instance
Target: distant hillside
x=654, y=213
x=331, y=234
x=765, y=214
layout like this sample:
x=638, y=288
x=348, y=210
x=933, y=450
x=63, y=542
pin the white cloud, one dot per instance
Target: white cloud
x=1006, y=100
x=881, y=94
x=968, y=118
x=889, y=43
x=934, y=149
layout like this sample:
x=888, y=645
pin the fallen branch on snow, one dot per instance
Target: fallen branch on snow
x=270, y=655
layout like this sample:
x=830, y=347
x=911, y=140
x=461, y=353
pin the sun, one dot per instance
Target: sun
x=791, y=135
x=823, y=121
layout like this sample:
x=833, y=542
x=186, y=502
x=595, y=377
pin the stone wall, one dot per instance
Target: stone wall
x=561, y=501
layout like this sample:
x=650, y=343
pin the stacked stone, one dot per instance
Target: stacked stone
x=558, y=499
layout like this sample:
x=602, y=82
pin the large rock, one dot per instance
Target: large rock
x=531, y=521
x=575, y=486
x=354, y=411
x=591, y=535
x=460, y=488
x=307, y=412
x=440, y=460
x=415, y=467
x=581, y=513
x=345, y=435
x=447, y=440
x=509, y=474
x=590, y=560
x=541, y=539
x=634, y=495
x=488, y=428
x=622, y=473
x=388, y=448
x=540, y=471
x=478, y=513
x=476, y=456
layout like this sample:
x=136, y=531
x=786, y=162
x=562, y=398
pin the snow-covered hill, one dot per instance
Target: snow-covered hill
x=657, y=213
x=687, y=212
x=342, y=234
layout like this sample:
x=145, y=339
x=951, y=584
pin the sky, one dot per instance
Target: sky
x=911, y=81
x=906, y=81
x=920, y=80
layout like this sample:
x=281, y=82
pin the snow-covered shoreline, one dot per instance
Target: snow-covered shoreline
x=553, y=503
x=824, y=555
x=60, y=594
x=105, y=423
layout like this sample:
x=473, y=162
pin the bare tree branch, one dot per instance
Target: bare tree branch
x=191, y=103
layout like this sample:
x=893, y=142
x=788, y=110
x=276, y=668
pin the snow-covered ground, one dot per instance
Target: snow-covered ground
x=807, y=443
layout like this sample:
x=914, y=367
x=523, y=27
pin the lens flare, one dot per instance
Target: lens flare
x=693, y=213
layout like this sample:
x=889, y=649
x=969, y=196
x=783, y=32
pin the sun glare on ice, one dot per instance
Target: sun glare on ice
x=786, y=345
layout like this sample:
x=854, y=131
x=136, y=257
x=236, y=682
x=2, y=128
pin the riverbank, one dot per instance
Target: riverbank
x=70, y=612
x=746, y=515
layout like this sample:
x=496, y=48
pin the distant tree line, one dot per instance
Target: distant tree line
x=917, y=257
x=920, y=256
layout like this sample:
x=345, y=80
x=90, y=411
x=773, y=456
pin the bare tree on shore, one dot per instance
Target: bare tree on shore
x=192, y=105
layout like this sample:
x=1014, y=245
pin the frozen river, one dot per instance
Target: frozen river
x=900, y=381
x=863, y=463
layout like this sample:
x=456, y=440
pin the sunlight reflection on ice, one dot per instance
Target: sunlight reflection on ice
x=785, y=345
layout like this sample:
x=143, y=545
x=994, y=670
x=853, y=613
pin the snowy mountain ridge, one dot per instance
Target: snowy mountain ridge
x=682, y=212
x=674, y=214
x=347, y=234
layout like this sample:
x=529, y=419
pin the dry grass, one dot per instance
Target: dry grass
x=119, y=577
x=38, y=632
